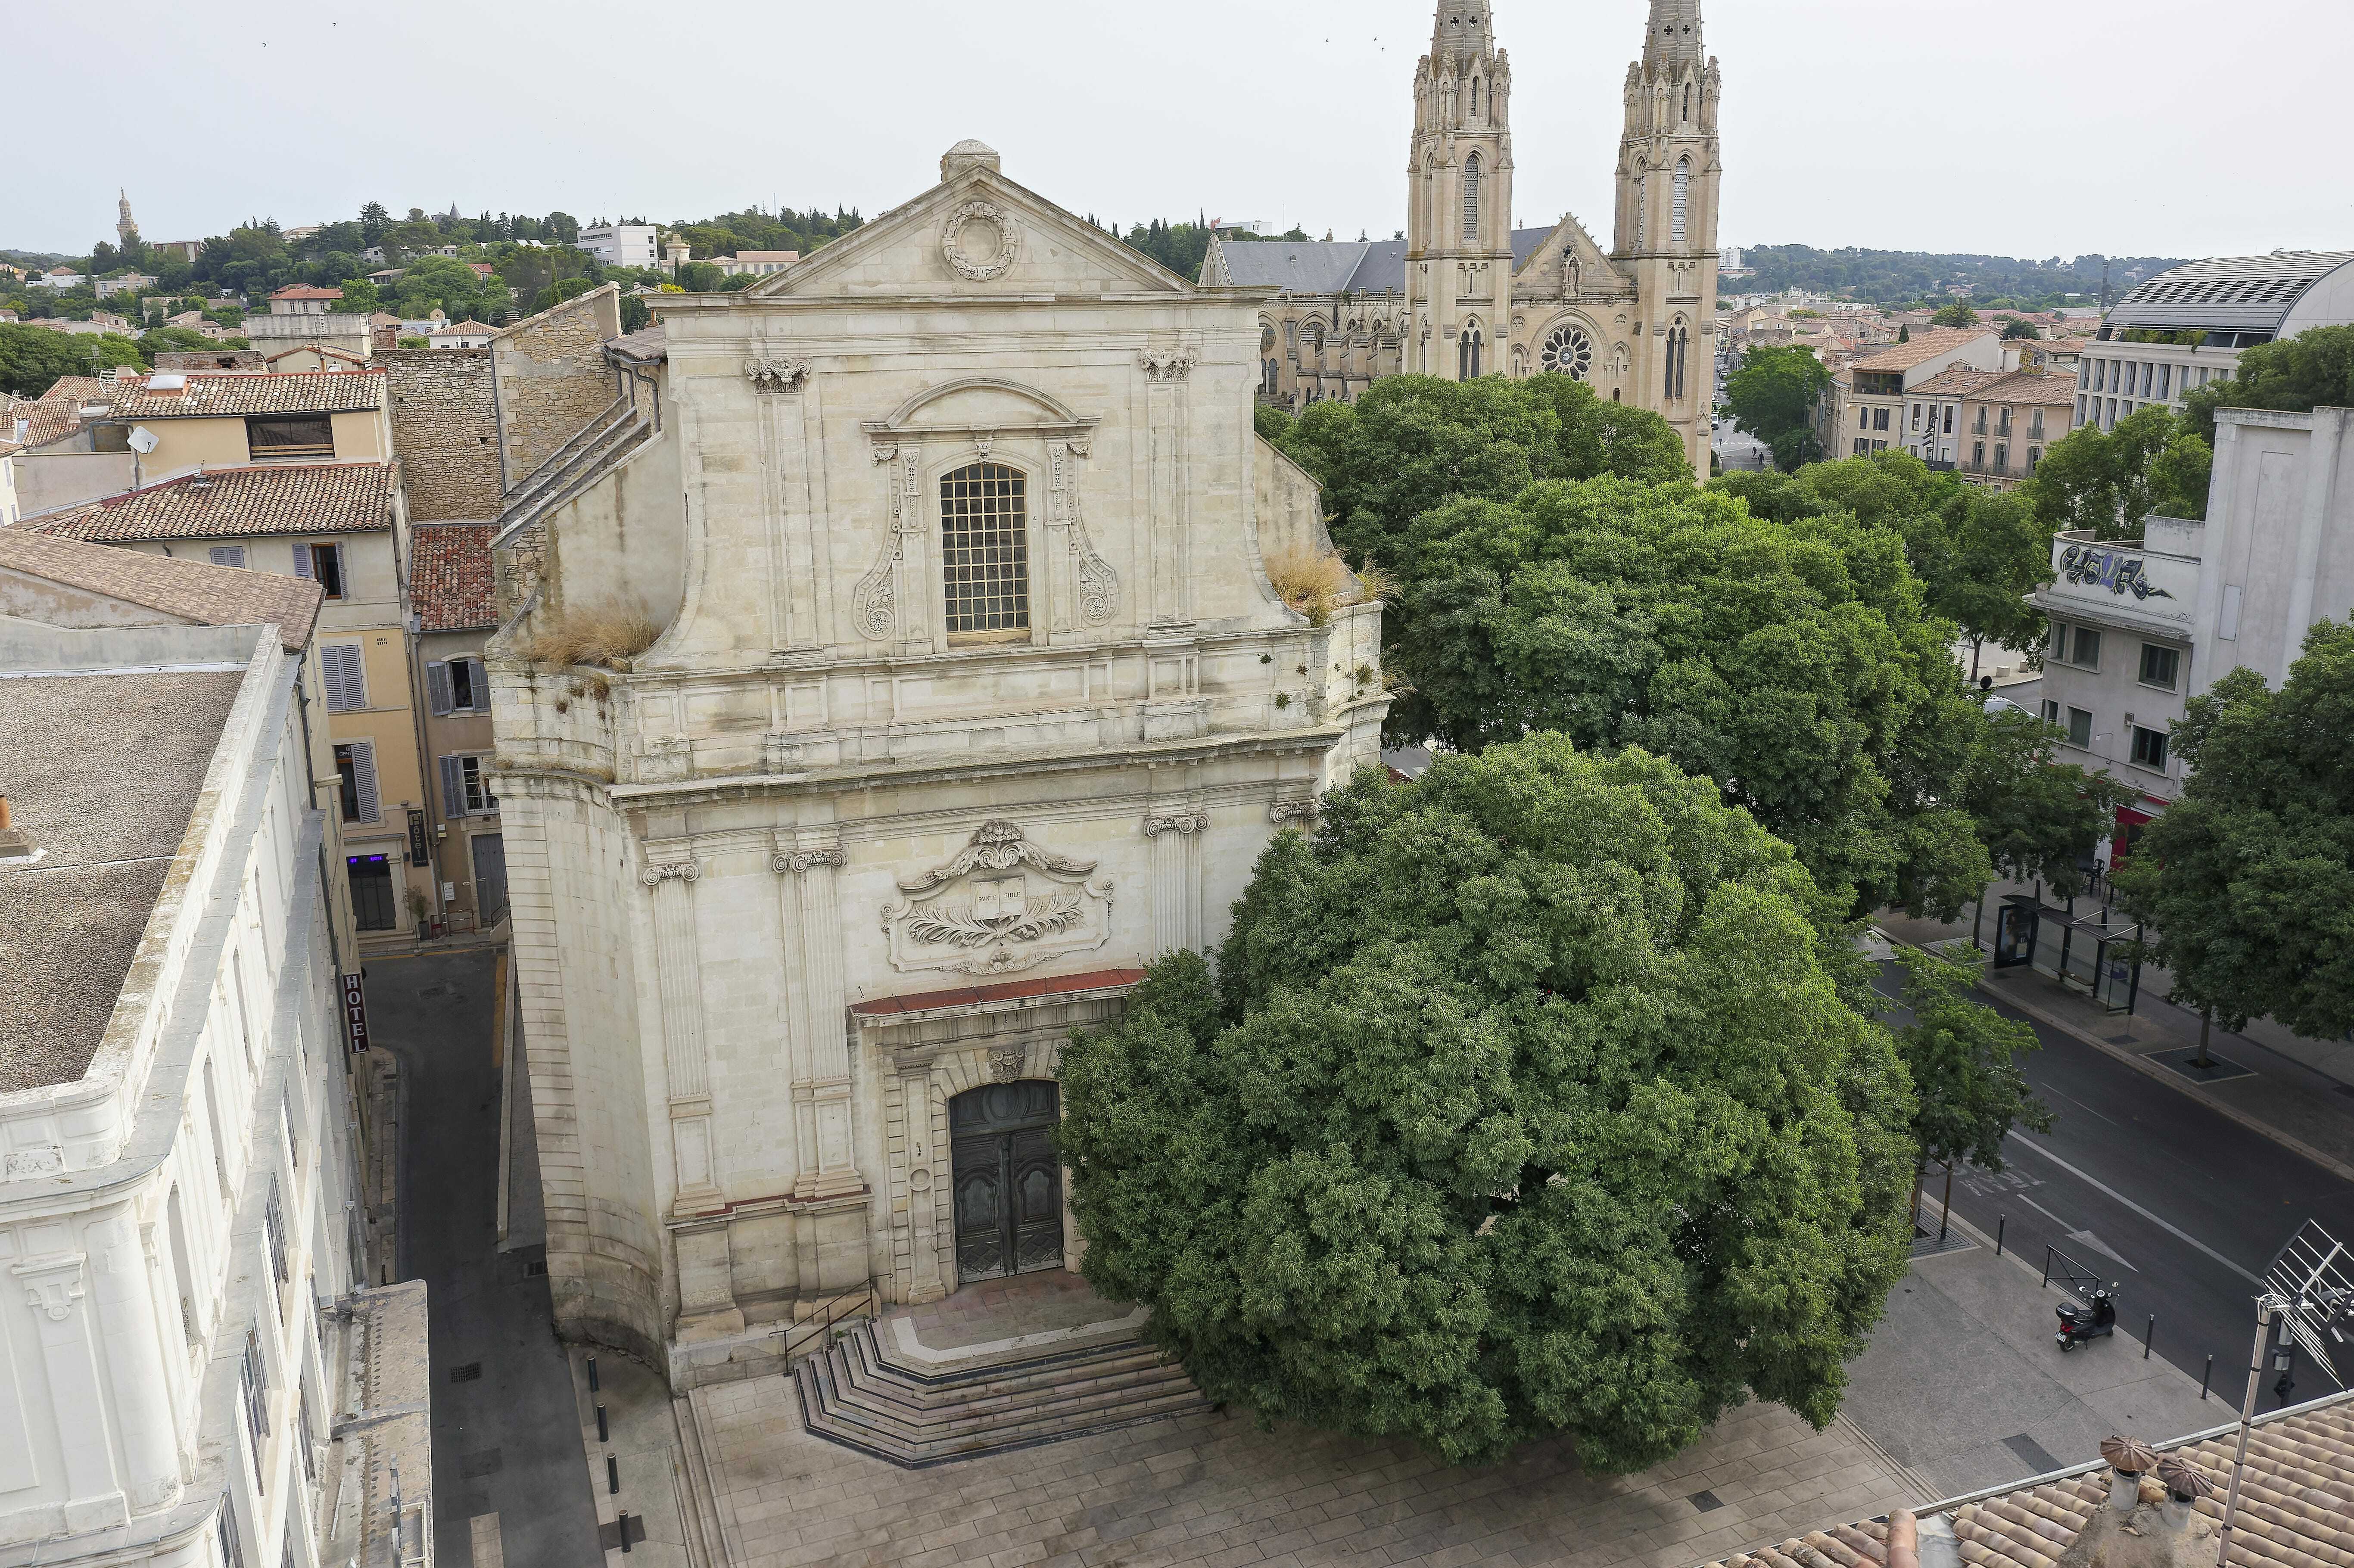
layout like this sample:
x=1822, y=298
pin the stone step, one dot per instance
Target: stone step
x=915, y=1416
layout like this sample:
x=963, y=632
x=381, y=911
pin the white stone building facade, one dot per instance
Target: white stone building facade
x=183, y=1329
x=974, y=696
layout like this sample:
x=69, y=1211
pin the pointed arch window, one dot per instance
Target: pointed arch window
x=1466, y=353
x=1472, y=172
x=1682, y=209
x=985, y=553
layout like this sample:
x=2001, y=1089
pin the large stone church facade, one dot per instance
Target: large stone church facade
x=974, y=695
x=1464, y=293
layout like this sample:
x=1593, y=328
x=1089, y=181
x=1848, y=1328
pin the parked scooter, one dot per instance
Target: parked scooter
x=2077, y=1325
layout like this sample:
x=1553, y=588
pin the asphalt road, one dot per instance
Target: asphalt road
x=2178, y=1205
x=506, y=1436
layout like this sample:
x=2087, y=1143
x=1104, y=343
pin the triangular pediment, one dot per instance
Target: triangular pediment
x=977, y=233
x=1546, y=266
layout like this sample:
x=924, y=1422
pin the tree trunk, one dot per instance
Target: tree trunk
x=1978, y=644
x=2206, y=1024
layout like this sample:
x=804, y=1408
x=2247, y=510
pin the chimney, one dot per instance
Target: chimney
x=2129, y=1460
x=2185, y=1484
x=16, y=844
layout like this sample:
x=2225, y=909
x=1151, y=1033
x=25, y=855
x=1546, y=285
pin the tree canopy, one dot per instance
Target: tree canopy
x=2108, y=482
x=1773, y=396
x=1791, y=662
x=2248, y=879
x=1901, y=277
x=448, y=285
x=32, y=358
x=1957, y=314
x=1525, y=1103
x=2034, y=814
x=2296, y=375
x=1961, y=1056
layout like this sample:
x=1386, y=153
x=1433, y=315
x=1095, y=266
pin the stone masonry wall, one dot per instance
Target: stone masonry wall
x=552, y=376
x=445, y=429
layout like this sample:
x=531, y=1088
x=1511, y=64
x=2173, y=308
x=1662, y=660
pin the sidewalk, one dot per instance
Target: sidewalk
x=1964, y=1386
x=2288, y=1089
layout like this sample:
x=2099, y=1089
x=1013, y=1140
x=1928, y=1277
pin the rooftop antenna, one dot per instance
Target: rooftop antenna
x=2308, y=1291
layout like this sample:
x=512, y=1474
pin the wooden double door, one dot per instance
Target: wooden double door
x=1008, y=1181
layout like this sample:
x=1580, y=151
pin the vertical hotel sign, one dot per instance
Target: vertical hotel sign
x=355, y=1014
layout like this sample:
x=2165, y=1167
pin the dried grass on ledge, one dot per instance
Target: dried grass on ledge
x=608, y=635
x=1316, y=584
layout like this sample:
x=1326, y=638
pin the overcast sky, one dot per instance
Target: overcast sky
x=2011, y=127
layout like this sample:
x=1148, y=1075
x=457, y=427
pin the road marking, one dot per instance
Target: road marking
x=2167, y=1225
x=489, y=1550
x=2083, y=1107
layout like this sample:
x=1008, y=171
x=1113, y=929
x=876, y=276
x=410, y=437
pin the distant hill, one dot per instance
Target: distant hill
x=1901, y=277
x=40, y=259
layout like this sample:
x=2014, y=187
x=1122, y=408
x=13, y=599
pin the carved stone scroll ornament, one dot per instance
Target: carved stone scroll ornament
x=1168, y=364
x=800, y=862
x=1007, y=1063
x=1000, y=906
x=874, y=598
x=1283, y=814
x=1187, y=822
x=1099, y=583
x=979, y=241
x=771, y=376
x=683, y=870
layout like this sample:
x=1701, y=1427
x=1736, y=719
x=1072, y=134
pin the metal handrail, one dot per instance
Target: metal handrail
x=832, y=1310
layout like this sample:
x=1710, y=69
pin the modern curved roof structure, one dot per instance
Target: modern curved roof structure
x=2282, y=294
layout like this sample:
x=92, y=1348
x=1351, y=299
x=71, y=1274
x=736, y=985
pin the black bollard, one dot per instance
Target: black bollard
x=602, y=1435
x=592, y=1375
x=612, y=1476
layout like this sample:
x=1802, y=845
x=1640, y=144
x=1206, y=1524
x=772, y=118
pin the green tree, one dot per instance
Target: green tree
x=2108, y=482
x=360, y=297
x=1905, y=333
x=1979, y=556
x=2297, y=375
x=32, y=358
x=443, y=282
x=1525, y=1103
x=1957, y=314
x=1961, y=1055
x=2019, y=329
x=2248, y=879
x=1773, y=396
x=1791, y=664
x=2036, y=815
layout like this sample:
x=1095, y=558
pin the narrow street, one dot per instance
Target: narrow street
x=507, y=1439
x=2180, y=1206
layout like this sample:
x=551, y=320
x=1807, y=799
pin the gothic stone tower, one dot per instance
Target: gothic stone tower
x=1460, y=199
x=124, y=225
x=1668, y=173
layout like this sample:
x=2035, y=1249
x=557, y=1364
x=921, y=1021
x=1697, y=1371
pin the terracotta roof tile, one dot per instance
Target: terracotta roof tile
x=236, y=503
x=229, y=395
x=306, y=291
x=450, y=585
x=2296, y=1509
x=1924, y=347
x=1960, y=382
x=2033, y=391
x=191, y=591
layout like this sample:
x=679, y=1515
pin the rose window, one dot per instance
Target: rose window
x=1569, y=352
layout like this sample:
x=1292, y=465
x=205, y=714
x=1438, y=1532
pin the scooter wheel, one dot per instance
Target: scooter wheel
x=2066, y=1345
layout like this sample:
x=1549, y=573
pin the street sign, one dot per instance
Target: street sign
x=355, y=1014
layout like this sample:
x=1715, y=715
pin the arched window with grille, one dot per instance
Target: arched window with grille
x=985, y=553
x=1471, y=200
x=1466, y=353
x=1683, y=203
x=1474, y=98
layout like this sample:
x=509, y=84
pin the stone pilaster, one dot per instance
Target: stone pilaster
x=679, y=979
x=825, y=1150
x=1168, y=493
x=54, y=1290
x=1176, y=879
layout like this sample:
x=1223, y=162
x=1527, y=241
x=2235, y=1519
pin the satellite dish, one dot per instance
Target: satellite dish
x=142, y=440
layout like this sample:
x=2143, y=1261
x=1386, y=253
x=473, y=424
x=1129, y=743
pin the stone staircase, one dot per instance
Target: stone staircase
x=866, y=1392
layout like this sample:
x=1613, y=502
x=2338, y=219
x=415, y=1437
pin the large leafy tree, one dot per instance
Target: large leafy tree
x=1774, y=396
x=1792, y=664
x=1525, y=1103
x=32, y=358
x=1962, y=1057
x=2296, y=375
x=1414, y=443
x=449, y=284
x=2107, y=482
x=2247, y=881
x=2036, y=815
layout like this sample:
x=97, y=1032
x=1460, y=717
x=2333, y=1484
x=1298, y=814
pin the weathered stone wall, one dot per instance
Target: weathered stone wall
x=553, y=378
x=445, y=429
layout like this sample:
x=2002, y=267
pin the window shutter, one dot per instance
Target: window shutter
x=478, y=683
x=302, y=568
x=454, y=787
x=354, y=676
x=364, y=781
x=437, y=688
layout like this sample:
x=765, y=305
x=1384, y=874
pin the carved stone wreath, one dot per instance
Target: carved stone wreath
x=984, y=913
x=1568, y=351
x=976, y=263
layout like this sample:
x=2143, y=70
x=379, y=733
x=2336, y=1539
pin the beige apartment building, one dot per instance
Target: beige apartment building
x=453, y=605
x=1868, y=411
x=1991, y=426
x=339, y=524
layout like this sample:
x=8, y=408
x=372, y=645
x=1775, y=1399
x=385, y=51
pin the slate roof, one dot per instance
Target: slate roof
x=450, y=585
x=236, y=503
x=2296, y=1509
x=188, y=590
x=2238, y=292
x=1337, y=267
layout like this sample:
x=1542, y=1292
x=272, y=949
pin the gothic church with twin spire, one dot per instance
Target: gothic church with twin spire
x=1464, y=293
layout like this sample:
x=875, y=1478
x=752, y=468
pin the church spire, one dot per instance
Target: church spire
x=1674, y=40
x=1461, y=30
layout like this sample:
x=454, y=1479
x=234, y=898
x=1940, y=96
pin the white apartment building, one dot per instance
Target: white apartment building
x=184, y=1342
x=2185, y=328
x=2138, y=627
x=623, y=244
